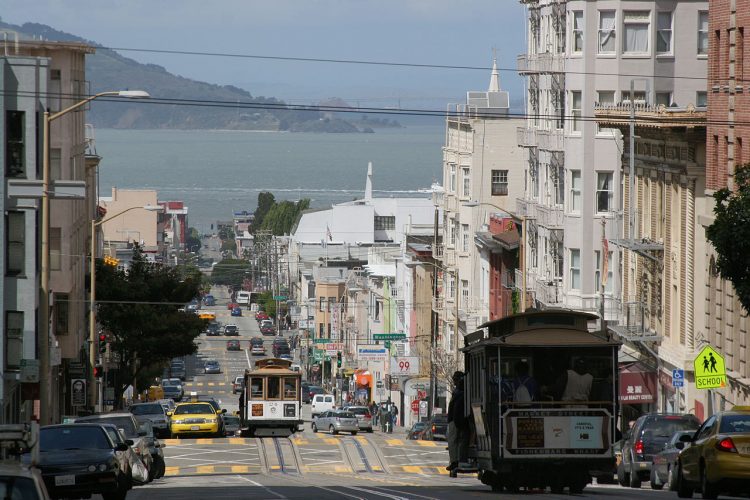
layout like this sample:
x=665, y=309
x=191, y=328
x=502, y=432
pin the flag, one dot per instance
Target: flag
x=328, y=233
x=605, y=261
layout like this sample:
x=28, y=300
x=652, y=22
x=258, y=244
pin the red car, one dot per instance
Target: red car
x=232, y=305
x=261, y=315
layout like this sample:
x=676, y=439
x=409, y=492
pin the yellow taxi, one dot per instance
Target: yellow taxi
x=195, y=418
x=716, y=459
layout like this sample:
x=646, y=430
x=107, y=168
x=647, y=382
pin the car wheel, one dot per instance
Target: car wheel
x=314, y=427
x=684, y=490
x=653, y=480
x=623, y=478
x=708, y=489
x=369, y=430
x=635, y=479
x=671, y=484
x=333, y=430
x=354, y=433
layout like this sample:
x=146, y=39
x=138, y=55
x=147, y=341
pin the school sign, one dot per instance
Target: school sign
x=710, y=372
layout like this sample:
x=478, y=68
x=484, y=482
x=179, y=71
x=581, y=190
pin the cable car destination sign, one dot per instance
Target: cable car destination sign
x=710, y=372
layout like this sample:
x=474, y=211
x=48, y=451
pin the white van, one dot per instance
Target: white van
x=321, y=403
x=243, y=298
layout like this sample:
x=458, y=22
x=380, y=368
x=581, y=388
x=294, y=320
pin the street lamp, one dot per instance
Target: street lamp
x=44, y=354
x=92, y=295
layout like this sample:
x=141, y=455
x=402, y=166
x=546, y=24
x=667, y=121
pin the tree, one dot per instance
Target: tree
x=140, y=306
x=730, y=234
x=193, y=241
x=445, y=366
x=281, y=217
x=230, y=272
x=266, y=201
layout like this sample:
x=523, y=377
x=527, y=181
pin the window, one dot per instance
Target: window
x=604, y=192
x=322, y=304
x=575, y=191
x=62, y=313
x=15, y=144
x=465, y=236
x=606, y=97
x=273, y=390
x=15, y=246
x=703, y=33
x=55, y=164
x=290, y=388
x=577, y=31
x=664, y=33
x=385, y=222
x=467, y=182
x=321, y=330
x=635, y=25
x=465, y=294
x=453, y=231
x=664, y=98
x=638, y=95
x=607, y=32
x=331, y=303
x=55, y=248
x=13, y=339
x=452, y=184
x=575, y=269
x=598, y=272
x=575, y=98
x=499, y=183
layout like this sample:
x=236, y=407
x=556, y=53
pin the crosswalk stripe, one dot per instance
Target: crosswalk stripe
x=427, y=443
x=240, y=469
x=394, y=442
x=205, y=469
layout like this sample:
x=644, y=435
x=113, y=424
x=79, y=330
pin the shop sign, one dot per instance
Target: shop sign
x=374, y=353
x=637, y=387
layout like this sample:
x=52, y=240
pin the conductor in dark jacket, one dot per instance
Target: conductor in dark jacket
x=457, y=423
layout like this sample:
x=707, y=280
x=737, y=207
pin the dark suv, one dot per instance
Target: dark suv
x=647, y=438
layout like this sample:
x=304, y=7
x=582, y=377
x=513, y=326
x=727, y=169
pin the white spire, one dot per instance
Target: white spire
x=495, y=78
x=368, y=184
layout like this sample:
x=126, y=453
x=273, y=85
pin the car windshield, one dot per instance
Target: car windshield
x=419, y=426
x=666, y=427
x=17, y=488
x=440, y=419
x=73, y=438
x=344, y=414
x=124, y=423
x=147, y=409
x=194, y=409
x=731, y=424
x=358, y=410
x=168, y=383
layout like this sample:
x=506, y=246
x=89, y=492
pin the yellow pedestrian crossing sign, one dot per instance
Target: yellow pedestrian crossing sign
x=710, y=372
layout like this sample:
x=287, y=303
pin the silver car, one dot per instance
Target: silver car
x=155, y=413
x=363, y=417
x=335, y=421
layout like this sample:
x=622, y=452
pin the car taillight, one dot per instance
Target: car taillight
x=638, y=447
x=726, y=444
x=434, y=428
x=367, y=415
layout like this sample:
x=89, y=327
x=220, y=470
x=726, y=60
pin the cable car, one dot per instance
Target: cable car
x=272, y=399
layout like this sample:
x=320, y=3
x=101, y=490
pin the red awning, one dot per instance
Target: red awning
x=637, y=387
x=363, y=378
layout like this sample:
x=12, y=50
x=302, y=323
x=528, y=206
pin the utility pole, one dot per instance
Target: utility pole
x=603, y=270
x=432, y=399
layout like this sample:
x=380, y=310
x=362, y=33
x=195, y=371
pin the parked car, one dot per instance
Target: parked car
x=199, y=418
x=231, y=425
x=311, y=391
x=645, y=439
x=416, y=430
x=321, y=403
x=718, y=458
x=129, y=427
x=335, y=421
x=267, y=330
x=213, y=329
x=238, y=384
x=437, y=428
x=212, y=366
x=364, y=418
x=66, y=455
x=154, y=412
x=130, y=455
x=154, y=448
x=231, y=331
x=233, y=345
x=664, y=464
x=20, y=482
x=261, y=315
x=266, y=322
x=237, y=311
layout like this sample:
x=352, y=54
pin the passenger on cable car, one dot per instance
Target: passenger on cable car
x=577, y=382
x=525, y=387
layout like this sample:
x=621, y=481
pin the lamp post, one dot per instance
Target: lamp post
x=44, y=345
x=92, y=296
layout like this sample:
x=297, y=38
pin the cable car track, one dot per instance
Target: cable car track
x=281, y=458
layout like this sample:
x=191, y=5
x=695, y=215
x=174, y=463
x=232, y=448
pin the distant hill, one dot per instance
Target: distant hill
x=108, y=70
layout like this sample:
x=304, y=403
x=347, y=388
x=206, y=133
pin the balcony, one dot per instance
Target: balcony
x=437, y=252
x=549, y=140
x=634, y=322
x=549, y=292
x=450, y=203
x=526, y=137
x=438, y=303
x=449, y=257
x=437, y=198
x=549, y=217
x=540, y=63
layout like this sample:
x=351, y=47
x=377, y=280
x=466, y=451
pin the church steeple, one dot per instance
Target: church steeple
x=495, y=77
x=368, y=184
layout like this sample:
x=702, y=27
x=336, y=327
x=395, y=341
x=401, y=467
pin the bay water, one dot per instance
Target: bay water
x=217, y=172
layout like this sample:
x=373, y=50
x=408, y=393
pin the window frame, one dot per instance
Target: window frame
x=280, y=389
x=15, y=227
x=577, y=33
x=660, y=30
x=576, y=122
x=702, y=34
x=576, y=191
x=465, y=238
x=610, y=190
x=15, y=144
x=612, y=31
x=574, y=273
x=14, y=325
x=626, y=23
x=452, y=177
x=465, y=182
x=608, y=288
x=262, y=388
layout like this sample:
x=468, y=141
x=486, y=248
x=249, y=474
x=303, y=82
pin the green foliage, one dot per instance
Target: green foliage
x=140, y=307
x=282, y=216
x=226, y=233
x=269, y=305
x=730, y=234
x=266, y=201
x=230, y=272
x=193, y=241
x=229, y=245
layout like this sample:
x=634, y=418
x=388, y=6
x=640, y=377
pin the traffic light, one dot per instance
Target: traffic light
x=338, y=359
x=98, y=371
x=102, y=344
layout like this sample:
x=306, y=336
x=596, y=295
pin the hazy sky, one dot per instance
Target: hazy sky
x=451, y=32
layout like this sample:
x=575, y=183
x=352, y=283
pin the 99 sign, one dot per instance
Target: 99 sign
x=405, y=365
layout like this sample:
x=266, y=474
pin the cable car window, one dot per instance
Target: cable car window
x=290, y=388
x=551, y=319
x=256, y=388
x=274, y=388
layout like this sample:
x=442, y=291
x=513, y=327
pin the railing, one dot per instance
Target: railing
x=540, y=63
x=437, y=251
x=526, y=137
x=437, y=198
x=449, y=257
x=548, y=291
x=550, y=217
x=451, y=203
x=550, y=140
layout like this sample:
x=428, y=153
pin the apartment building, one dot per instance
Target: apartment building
x=482, y=174
x=723, y=321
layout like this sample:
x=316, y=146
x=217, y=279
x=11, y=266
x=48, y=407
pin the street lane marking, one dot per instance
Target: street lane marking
x=205, y=469
x=394, y=442
x=427, y=443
